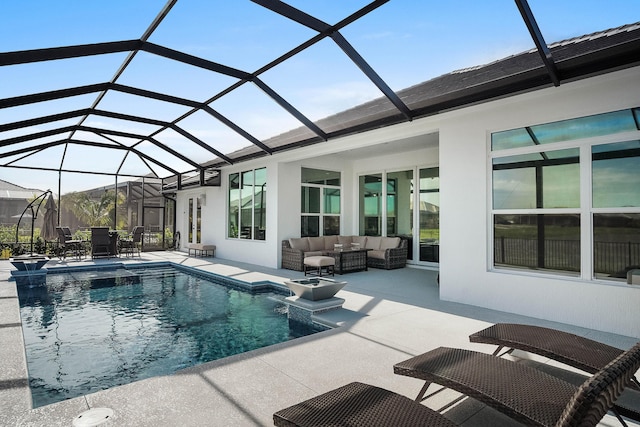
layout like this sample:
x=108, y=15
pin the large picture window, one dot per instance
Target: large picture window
x=551, y=182
x=247, y=205
x=320, y=210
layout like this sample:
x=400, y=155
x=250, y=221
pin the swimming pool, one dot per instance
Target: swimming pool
x=86, y=331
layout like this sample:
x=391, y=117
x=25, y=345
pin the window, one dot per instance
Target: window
x=247, y=205
x=551, y=181
x=320, y=210
x=371, y=205
x=429, y=214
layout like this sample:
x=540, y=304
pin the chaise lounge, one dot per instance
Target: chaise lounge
x=573, y=350
x=521, y=392
x=384, y=252
x=359, y=405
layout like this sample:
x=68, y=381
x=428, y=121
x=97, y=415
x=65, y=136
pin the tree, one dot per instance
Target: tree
x=92, y=212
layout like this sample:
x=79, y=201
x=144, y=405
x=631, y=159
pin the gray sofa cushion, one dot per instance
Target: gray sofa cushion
x=345, y=240
x=389, y=242
x=329, y=241
x=301, y=244
x=373, y=242
x=362, y=240
x=316, y=243
x=379, y=254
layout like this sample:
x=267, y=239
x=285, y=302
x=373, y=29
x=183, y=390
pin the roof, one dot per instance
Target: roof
x=13, y=191
x=164, y=146
x=575, y=58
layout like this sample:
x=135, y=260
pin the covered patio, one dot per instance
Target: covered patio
x=387, y=317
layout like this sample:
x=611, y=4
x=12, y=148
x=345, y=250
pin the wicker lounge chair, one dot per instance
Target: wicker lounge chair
x=573, y=350
x=523, y=393
x=359, y=404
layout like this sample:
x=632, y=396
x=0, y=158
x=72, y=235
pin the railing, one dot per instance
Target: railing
x=609, y=257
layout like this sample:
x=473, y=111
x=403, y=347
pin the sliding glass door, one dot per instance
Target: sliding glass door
x=388, y=210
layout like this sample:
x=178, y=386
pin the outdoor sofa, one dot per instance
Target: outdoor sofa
x=385, y=252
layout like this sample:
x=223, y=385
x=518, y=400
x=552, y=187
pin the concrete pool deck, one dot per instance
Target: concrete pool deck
x=387, y=317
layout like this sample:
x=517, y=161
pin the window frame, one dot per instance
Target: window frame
x=585, y=210
x=252, y=193
x=322, y=213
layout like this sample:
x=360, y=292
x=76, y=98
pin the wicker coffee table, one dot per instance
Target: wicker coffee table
x=349, y=260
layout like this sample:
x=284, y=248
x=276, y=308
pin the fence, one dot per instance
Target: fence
x=611, y=258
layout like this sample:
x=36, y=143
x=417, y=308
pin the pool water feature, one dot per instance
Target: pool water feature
x=87, y=331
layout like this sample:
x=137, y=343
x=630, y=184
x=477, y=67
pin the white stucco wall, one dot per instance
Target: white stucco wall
x=466, y=276
x=464, y=227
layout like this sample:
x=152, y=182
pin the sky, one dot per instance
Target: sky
x=405, y=41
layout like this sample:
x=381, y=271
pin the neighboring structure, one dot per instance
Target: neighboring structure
x=13, y=200
x=511, y=176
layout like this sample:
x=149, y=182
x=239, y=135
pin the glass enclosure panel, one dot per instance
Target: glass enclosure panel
x=246, y=206
x=330, y=225
x=171, y=239
x=310, y=226
x=615, y=175
x=310, y=200
x=538, y=242
x=616, y=248
x=260, y=204
x=331, y=201
x=429, y=214
x=370, y=205
x=550, y=181
x=152, y=239
x=234, y=205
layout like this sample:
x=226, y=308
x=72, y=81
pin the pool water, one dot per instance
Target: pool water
x=89, y=331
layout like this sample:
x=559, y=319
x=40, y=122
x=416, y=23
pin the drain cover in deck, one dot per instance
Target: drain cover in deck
x=93, y=417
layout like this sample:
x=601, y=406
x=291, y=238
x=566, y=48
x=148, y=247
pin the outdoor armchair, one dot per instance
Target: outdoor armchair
x=133, y=242
x=102, y=242
x=67, y=245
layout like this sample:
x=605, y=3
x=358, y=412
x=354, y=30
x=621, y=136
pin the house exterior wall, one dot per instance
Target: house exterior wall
x=465, y=273
x=462, y=154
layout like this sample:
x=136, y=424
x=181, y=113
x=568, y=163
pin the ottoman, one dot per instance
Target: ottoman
x=316, y=264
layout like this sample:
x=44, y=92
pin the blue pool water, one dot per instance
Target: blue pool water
x=87, y=331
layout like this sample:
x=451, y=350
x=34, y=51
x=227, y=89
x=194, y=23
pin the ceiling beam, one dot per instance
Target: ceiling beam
x=17, y=101
x=236, y=128
x=67, y=52
x=46, y=145
x=325, y=29
x=538, y=39
x=201, y=143
x=290, y=108
x=98, y=131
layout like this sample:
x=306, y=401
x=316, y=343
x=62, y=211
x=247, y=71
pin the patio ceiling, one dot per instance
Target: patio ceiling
x=162, y=105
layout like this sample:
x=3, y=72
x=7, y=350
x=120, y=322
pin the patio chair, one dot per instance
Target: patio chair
x=521, y=392
x=134, y=242
x=101, y=242
x=358, y=404
x=68, y=245
x=573, y=350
